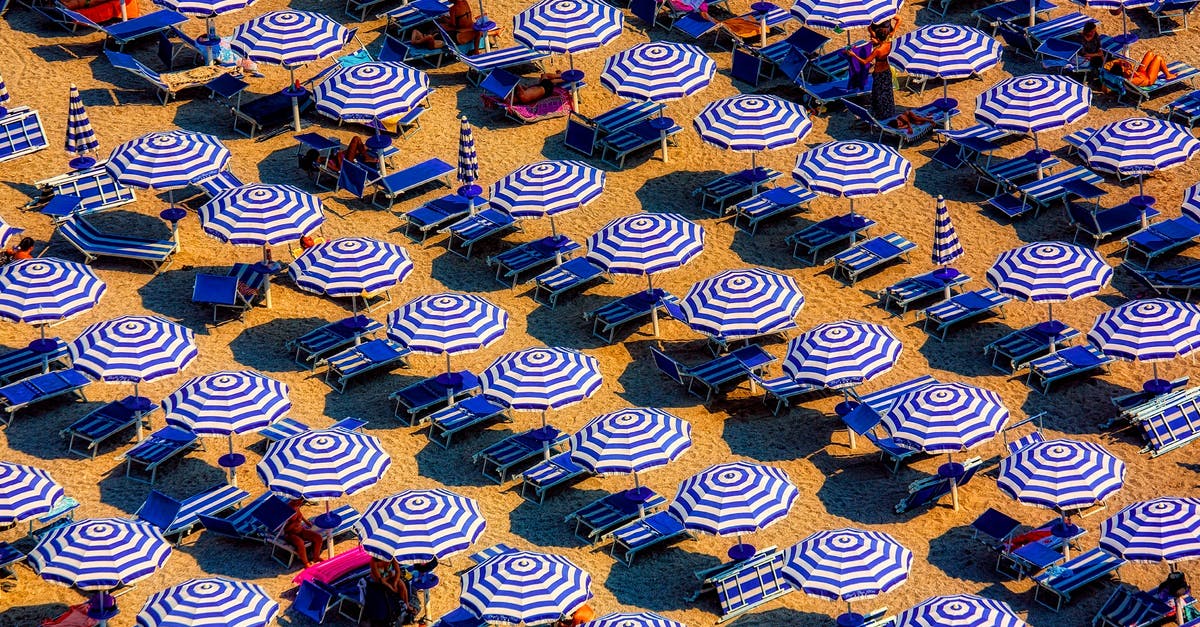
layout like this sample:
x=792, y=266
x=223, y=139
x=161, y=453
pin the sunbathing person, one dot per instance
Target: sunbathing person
x=529, y=94
x=1146, y=73
x=298, y=532
x=356, y=151
x=907, y=120
x=458, y=22
x=23, y=250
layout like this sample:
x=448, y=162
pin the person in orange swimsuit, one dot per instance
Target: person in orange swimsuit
x=1146, y=73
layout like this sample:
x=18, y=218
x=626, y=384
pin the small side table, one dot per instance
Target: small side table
x=138, y=405
x=946, y=275
x=81, y=162
x=174, y=215
x=952, y=471
x=741, y=551
x=573, y=81
x=1065, y=532
x=842, y=410
x=326, y=523
x=423, y=583
x=1156, y=387
x=378, y=144
x=662, y=124
x=851, y=619
x=210, y=45
x=231, y=462
x=483, y=26
x=761, y=11
x=295, y=92
x=945, y=105
x=1038, y=156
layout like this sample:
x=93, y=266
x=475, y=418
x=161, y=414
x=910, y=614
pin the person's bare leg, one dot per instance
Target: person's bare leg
x=317, y=541
x=297, y=543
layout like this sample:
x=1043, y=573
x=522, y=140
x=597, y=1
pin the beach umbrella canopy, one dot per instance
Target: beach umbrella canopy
x=945, y=51
x=752, y=123
x=959, y=610
x=631, y=619
x=547, y=188
x=568, y=26
x=351, y=266
x=261, y=214
x=371, y=91
x=946, y=247
x=46, y=290
x=737, y=304
x=1158, y=530
x=542, y=378
x=468, y=160
x=167, y=160
x=447, y=323
x=4, y=97
x=631, y=440
x=1049, y=272
x=844, y=14
x=1061, y=474
x=133, y=348
x=1152, y=330
x=847, y=564
x=204, y=8
x=7, y=231
x=209, y=602
x=1137, y=146
x=323, y=464
x=420, y=525
x=289, y=38
x=25, y=491
x=525, y=587
x=99, y=554
x=946, y=418
x=227, y=402
x=1190, y=207
x=646, y=244
x=734, y=499
x=658, y=71
x=850, y=169
x=1033, y=103
x=81, y=138
x=841, y=354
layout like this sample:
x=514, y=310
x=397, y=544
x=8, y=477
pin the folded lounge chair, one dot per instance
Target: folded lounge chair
x=634, y=307
x=500, y=459
x=81, y=192
x=157, y=449
x=363, y=358
x=726, y=187
x=994, y=528
x=21, y=133
x=962, y=308
x=1069, y=362
x=546, y=475
x=1015, y=350
x=930, y=490
x=583, y=133
x=468, y=413
x=1169, y=424
x=168, y=84
x=486, y=224
x=770, y=203
x=431, y=392
x=264, y=115
x=1163, y=238
x=1070, y=576
x=437, y=213
x=1134, y=401
x=23, y=361
x=911, y=290
x=1102, y=223
x=596, y=519
x=400, y=182
x=104, y=422
x=330, y=337
x=808, y=242
x=93, y=244
x=41, y=387
x=633, y=138
x=1185, y=279
x=513, y=263
x=179, y=518
x=742, y=586
x=1001, y=174
x=641, y=534
x=716, y=373
x=568, y=276
x=870, y=255
x=238, y=290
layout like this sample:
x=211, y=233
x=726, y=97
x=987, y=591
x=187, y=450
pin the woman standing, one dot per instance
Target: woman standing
x=883, y=100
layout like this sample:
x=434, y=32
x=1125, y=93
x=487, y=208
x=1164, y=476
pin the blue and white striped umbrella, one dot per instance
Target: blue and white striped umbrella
x=99, y=554
x=7, y=231
x=752, y=123
x=323, y=464
x=1137, y=146
x=261, y=214
x=81, y=138
x=946, y=247
x=419, y=525
x=737, y=304
x=847, y=564
x=849, y=169
x=205, y=8
x=227, y=402
x=547, y=188
x=945, y=51
x=1158, y=530
x=1033, y=103
x=1061, y=474
x=25, y=491
x=133, y=348
x=289, y=38
x=351, y=266
x=447, y=323
x=542, y=378
x=959, y=610
x=568, y=26
x=4, y=97
x=631, y=440
x=946, y=418
x=47, y=290
x=658, y=71
x=1151, y=329
x=526, y=588
x=734, y=498
x=1049, y=272
x=209, y=602
x=841, y=354
x=646, y=243
x=1190, y=207
x=468, y=159
x=844, y=14
x=371, y=91
x=167, y=160
x=631, y=619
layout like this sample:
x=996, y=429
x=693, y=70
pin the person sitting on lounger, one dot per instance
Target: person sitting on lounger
x=458, y=22
x=386, y=596
x=23, y=250
x=1146, y=73
x=529, y=94
x=1173, y=591
x=691, y=6
x=356, y=151
x=298, y=532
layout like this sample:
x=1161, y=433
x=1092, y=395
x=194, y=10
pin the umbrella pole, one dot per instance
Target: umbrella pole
x=295, y=89
x=213, y=41
x=762, y=30
x=654, y=309
x=135, y=400
x=1032, y=12
x=1141, y=192
x=354, y=313
x=663, y=134
x=852, y=215
x=124, y=11
x=232, y=469
x=1050, y=310
x=329, y=531
x=449, y=388
x=267, y=279
x=637, y=487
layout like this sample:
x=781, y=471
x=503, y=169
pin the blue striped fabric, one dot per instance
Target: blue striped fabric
x=371, y=91
x=447, y=323
x=658, y=71
x=852, y=168
x=1113, y=5
x=1061, y=474
x=81, y=138
x=842, y=354
x=261, y=214
x=1049, y=272
x=289, y=38
x=945, y=51
x=568, y=26
x=542, y=378
x=204, y=8
x=1190, y=207
x=734, y=498
x=167, y=160
x=351, y=266
x=323, y=464
x=847, y=564
x=631, y=441
x=946, y=247
x=743, y=303
x=646, y=243
x=419, y=525
x=25, y=491
x=1158, y=530
x=47, y=290
x=4, y=97
x=468, y=159
x=226, y=402
x=1148, y=330
x=7, y=231
x=209, y=602
x=631, y=619
x=945, y=418
x=844, y=13
x=1139, y=146
x=1033, y=103
x=526, y=588
x=133, y=348
x=99, y=554
x=752, y=122
x=959, y=610
x=547, y=188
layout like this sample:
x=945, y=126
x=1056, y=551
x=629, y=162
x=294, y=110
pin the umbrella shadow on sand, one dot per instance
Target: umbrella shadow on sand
x=851, y=477
x=247, y=347
x=662, y=192
x=529, y=520
x=447, y=466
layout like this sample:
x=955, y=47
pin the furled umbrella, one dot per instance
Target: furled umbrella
x=208, y=10
x=847, y=564
x=1033, y=103
x=98, y=555
x=547, y=188
x=81, y=138
x=290, y=39
x=371, y=93
x=46, y=291
x=525, y=587
x=541, y=379
x=959, y=610
x=25, y=491
x=850, y=169
x=7, y=231
x=631, y=619
x=752, y=123
x=1138, y=146
x=167, y=160
x=568, y=26
x=209, y=602
x=841, y=355
x=742, y=304
x=351, y=267
x=734, y=499
x=946, y=247
x=468, y=162
x=447, y=324
x=4, y=97
x=1162, y=529
x=840, y=15
x=226, y=403
x=945, y=51
x=1152, y=330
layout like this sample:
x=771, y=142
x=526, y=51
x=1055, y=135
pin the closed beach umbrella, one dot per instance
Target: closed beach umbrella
x=547, y=188
x=1033, y=103
x=167, y=160
x=447, y=324
x=351, y=266
x=1138, y=146
x=1049, y=272
x=959, y=610
x=752, y=123
x=1152, y=330
x=631, y=441
x=847, y=564
x=420, y=525
x=541, y=379
x=741, y=304
x=209, y=602
x=844, y=14
x=946, y=247
x=734, y=499
x=525, y=587
x=46, y=290
x=630, y=619
x=81, y=138
x=850, y=169
x=25, y=491
x=7, y=231
x=4, y=97
x=468, y=161
x=134, y=349
x=945, y=51
x=1159, y=530
x=209, y=10
x=843, y=354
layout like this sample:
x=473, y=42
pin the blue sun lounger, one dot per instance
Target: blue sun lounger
x=179, y=518
x=272, y=519
x=1164, y=238
x=287, y=427
x=728, y=186
x=23, y=361
x=431, y=392
x=1184, y=75
x=745, y=585
x=92, y=190
x=1185, y=108
x=485, y=224
x=156, y=450
x=104, y=422
x=21, y=133
x=635, y=307
x=1002, y=174
x=363, y=358
x=41, y=387
x=716, y=373
x=1015, y=350
x=1168, y=423
x=1072, y=575
x=797, y=48
x=402, y=181
x=531, y=256
x=1069, y=362
x=240, y=523
x=471, y=412
x=820, y=95
x=1038, y=194
x=93, y=244
x=132, y=29
x=905, y=292
x=1129, y=606
x=870, y=255
x=221, y=181
x=962, y=308
x=1175, y=10
x=1010, y=12
x=1102, y=223
x=546, y=475
x=583, y=133
x=437, y=213
x=238, y=290
x=808, y=242
x=10, y=556
x=868, y=415
x=594, y=520
x=769, y=204
x=657, y=529
x=329, y=337
x=498, y=460
x=568, y=276
x=166, y=85
x=1185, y=279
x=930, y=490
x=633, y=138
x=783, y=390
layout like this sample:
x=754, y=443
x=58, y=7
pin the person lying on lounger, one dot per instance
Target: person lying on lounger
x=458, y=22
x=905, y=121
x=529, y=94
x=297, y=531
x=1146, y=73
x=691, y=6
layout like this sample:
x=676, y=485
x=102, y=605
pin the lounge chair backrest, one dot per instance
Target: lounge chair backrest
x=393, y=50
x=219, y=526
x=159, y=509
x=646, y=11
x=807, y=40
x=580, y=136
x=273, y=513
x=123, y=61
x=353, y=178
x=501, y=84
x=668, y=366
x=1014, y=40
x=313, y=600
x=747, y=66
x=861, y=114
x=862, y=420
